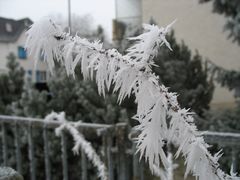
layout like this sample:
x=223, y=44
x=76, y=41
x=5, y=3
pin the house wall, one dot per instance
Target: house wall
x=200, y=29
x=129, y=12
x=128, y=9
x=27, y=64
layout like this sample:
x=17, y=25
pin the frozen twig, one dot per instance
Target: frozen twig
x=131, y=74
x=80, y=143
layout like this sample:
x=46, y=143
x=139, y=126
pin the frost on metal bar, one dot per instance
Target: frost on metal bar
x=131, y=74
x=17, y=148
x=46, y=153
x=83, y=165
x=64, y=156
x=4, y=145
x=80, y=143
x=31, y=153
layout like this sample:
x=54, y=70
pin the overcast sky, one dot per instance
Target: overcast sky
x=102, y=11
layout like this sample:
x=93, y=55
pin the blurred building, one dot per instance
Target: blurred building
x=128, y=18
x=12, y=39
x=197, y=25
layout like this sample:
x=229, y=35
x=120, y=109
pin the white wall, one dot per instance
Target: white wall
x=27, y=64
x=128, y=8
x=129, y=12
x=201, y=30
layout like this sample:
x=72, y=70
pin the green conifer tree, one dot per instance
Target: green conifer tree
x=11, y=84
x=186, y=75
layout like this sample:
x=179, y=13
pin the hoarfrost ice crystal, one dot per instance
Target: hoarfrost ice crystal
x=131, y=74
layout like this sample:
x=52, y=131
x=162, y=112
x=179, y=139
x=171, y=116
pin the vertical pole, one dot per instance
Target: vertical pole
x=31, y=153
x=64, y=156
x=4, y=145
x=18, y=148
x=116, y=9
x=121, y=141
x=104, y=146
x=234, y=160
x=46, y=153
x=141, y=170
x=136, y=168
x=84, y=165
x=69, y=15
x=109, y=157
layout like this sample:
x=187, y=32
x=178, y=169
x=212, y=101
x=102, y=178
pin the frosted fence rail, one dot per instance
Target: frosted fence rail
x=39, y=125
x=114, y=138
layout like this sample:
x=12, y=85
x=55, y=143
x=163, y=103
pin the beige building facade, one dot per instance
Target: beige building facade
x=12, y=40
x=201, y=30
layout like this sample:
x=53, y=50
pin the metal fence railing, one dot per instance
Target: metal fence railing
x=116, y=150
x=226, y=139
x=112, y=139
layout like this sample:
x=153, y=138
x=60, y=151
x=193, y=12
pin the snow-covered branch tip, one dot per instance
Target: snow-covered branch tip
x=161, y=120
x=168, y=173
x=80, y=143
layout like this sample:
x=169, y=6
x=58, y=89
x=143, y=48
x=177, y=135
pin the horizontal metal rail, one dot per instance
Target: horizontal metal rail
x=109, y=132
x=222, y=138
x=106, y=131
x=37, y=122
x=222, y=134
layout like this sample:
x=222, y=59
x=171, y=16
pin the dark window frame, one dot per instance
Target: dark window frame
x=41, y=76
x=22, y=54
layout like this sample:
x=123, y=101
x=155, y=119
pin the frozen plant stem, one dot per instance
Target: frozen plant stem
x=80, y=143
x=168, y=173
x=131, y=74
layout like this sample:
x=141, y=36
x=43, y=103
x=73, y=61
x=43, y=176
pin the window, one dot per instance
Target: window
x=28, y=75
x=29, y=72
x=22, y=53
x=8, y=27
x=41, y=76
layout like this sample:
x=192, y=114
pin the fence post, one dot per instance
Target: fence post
x=18, y=148
x=109, y=156
x=31, y=152
x=4, y=145
x=234, y=160
x=107, y=148
x=83, y=165
x=64, y=156
x=141, y=170
x=136, y=168
x=121, y=143
x=46, y=153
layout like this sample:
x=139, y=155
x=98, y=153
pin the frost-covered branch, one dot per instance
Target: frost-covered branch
x=168, y=173
x=79, y=142
x=161, y=120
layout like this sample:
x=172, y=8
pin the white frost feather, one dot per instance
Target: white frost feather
x=79, y=142
x=131, y=74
